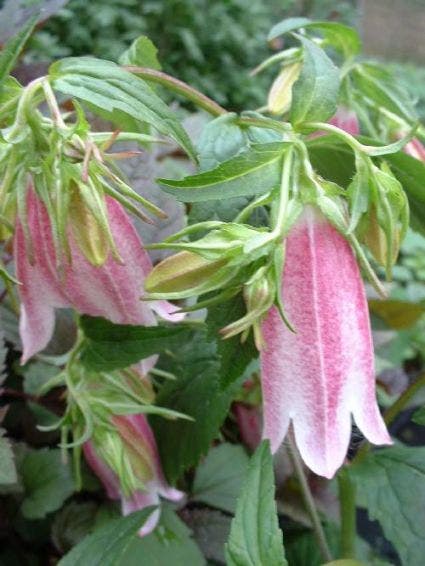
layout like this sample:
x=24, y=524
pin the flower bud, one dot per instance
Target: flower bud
x=280, y=95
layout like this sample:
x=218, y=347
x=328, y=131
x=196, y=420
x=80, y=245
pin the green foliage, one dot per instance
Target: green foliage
x=252, y=172
x=107, y=545
x=315, y=93
x=8, y=473
x=109, y=346
x=385, y=481
x=47, y=482
x=255, y=538
x=11, y=51
x=219, y=477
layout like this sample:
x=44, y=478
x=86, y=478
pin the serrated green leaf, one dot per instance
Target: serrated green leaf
x=109, y=346
x=391, y=486
x=170, y=544
x=340, y=36
x=254, y=171
x=107, y=545
x=47, y=482
x=141, y=53
x=8, y=474
x=209, y=371
x=106, y=86
x=255, y=538
x=11, y=51
x=219, y=477
x=315, y=93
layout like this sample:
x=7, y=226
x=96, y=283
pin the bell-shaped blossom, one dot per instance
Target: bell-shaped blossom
x=140, y=451
x=319, y=375
x=111, y=290
x=346, y=120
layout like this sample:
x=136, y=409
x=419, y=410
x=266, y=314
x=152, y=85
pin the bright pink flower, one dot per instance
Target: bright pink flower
x=318, y=376
x=112, y=290
x=346, y=120
x=138, y=439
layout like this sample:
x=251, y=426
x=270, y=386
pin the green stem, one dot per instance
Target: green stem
x=398, y=405
x=347, y=506
x=309, y=500
x=179, y=87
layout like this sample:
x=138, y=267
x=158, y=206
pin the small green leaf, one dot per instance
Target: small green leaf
x=219, y=477
x=141, y=53
x=255, y=537
x=315, y=93
x=340, y=36
x=107, y=545
x=8, y=474
x=104, y=85
x=109, y=346
x=391, y=486
x=47, y=482
x=11, y=51
x=254, y=171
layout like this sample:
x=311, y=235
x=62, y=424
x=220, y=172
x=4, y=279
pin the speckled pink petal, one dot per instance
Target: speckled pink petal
x=111, y=291
x=319, y=376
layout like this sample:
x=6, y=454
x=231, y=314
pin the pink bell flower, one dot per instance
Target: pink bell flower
x=139, y=443
x=319, y=376
x=111, y=290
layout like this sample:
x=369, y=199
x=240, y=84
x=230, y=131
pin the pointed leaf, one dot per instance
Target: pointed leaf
x=255, y=537
x=315, y=93
x=104, y=85
x=254, y=171
x=11, y=51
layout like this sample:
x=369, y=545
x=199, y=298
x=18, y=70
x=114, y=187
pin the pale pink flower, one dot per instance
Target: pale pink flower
x=346, y=120
x=112, y=290
x=415, y=149
x=138, y=438
x=318, y=376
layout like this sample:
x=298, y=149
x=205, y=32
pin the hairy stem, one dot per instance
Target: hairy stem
x=178, y=86
x=308, y=499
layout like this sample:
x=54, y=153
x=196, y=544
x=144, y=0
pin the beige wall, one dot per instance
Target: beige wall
x=394, y=29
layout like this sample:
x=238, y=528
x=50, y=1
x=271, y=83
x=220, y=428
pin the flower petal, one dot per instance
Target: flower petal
x=319, y=375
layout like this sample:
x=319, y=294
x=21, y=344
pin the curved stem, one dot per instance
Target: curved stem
x=308, y=499
x=179, y=87
x=347, y=507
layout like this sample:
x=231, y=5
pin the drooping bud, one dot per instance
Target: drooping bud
x=111, y=290
x=126, y=460
x=280, y=94
x=324, y=372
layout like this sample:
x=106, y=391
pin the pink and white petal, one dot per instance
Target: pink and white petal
x=167, y=311
x=140, y=500
x=346, y=120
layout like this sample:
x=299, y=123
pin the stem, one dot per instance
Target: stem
x=401, y=402
x=308, y=500
x=347, y=506
x=179, y=87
